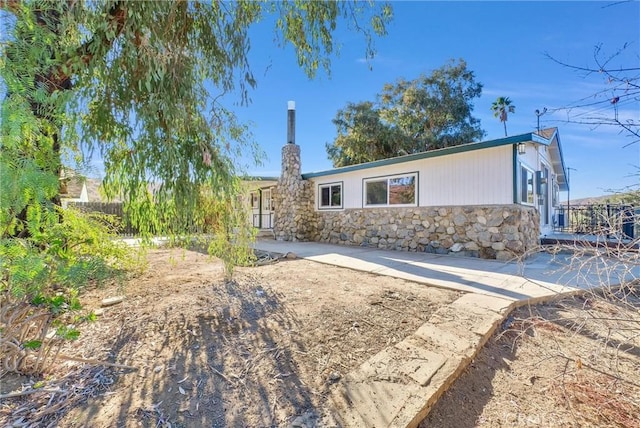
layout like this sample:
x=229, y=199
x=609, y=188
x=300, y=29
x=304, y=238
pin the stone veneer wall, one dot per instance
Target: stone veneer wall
x=491, y=232
x=293, y=200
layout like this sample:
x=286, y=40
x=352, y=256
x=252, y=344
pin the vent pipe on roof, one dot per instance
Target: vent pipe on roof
x=291, y=122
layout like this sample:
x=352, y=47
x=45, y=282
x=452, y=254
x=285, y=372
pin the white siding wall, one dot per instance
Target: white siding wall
x=478, y=177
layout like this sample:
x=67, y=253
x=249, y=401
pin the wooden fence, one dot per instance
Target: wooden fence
x=111, y=208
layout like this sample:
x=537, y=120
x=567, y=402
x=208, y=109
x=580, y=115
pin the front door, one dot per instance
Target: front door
x=544, y=202
x=266, y=213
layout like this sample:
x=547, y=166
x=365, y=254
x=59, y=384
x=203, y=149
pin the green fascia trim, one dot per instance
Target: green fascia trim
x=515, y=173
x=523, y=138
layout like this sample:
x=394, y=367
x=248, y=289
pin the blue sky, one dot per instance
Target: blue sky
x=504, y=43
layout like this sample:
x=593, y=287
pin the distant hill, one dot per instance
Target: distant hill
x=614, y=198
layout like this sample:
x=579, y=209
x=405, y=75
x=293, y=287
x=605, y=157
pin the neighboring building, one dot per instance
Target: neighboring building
x=74, y=187
x=492, y=199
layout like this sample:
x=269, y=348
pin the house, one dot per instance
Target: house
x=75, y=187
x=491, y=199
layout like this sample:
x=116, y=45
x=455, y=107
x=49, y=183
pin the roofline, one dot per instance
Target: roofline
x=556, y=136
x=564, y=169
x=515, y=139
x=259, y=178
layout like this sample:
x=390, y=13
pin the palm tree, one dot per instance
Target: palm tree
x=501, y=107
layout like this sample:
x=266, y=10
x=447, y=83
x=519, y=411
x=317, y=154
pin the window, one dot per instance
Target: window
x=377, y=192
x=394, y=190
x=266, y=200
x=330, y=196
x=254, y=200
x=526, y=185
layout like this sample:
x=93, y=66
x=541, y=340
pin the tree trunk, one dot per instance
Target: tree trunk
x=54, y=79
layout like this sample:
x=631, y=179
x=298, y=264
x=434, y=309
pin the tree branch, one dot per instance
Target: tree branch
x=10, y=5
x=589, y=69
x=117, y=16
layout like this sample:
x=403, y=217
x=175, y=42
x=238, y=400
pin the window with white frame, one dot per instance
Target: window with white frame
x=396, y=190
x=526, y=185
x=330, y=196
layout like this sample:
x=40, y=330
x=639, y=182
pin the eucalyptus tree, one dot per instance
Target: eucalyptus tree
x=501, y=108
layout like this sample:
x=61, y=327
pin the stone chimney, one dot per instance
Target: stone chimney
x=294, y=196
x=291, y=122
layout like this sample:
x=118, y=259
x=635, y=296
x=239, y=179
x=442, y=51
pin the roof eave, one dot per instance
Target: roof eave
x=515, y=139
x=556, y=150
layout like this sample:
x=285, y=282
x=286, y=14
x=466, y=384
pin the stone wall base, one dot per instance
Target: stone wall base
x=491, y=232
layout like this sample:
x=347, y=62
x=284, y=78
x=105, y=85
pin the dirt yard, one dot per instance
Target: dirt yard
x=262, y=350
x=267, y=348
x=573, y=363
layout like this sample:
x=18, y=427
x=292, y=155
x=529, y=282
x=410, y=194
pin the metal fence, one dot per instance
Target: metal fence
x=610, y=220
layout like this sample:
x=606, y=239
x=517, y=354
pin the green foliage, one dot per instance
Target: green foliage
x=139, y=83
x=631, y=198
x=50, y=267
x=501, y=108
x=435, y=110
x=67, y=333
x=33, y=344
x=427, y=113
x=616, y=196
x=65, y=255
x=233, y=234
x=363, y=136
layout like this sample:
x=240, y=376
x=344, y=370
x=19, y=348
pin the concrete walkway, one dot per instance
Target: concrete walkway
x=541, y=275
x=398, y=386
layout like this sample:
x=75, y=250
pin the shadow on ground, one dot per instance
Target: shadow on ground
x=550, y=365
x=462, y=405
x=232, y=364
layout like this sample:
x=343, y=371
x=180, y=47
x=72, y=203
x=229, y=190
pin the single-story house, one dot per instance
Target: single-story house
x=74, y=190
x=490, y=199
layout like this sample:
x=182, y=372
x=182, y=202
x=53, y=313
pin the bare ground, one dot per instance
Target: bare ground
x=572, y=363
x=262, y=350
x=267, y=348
